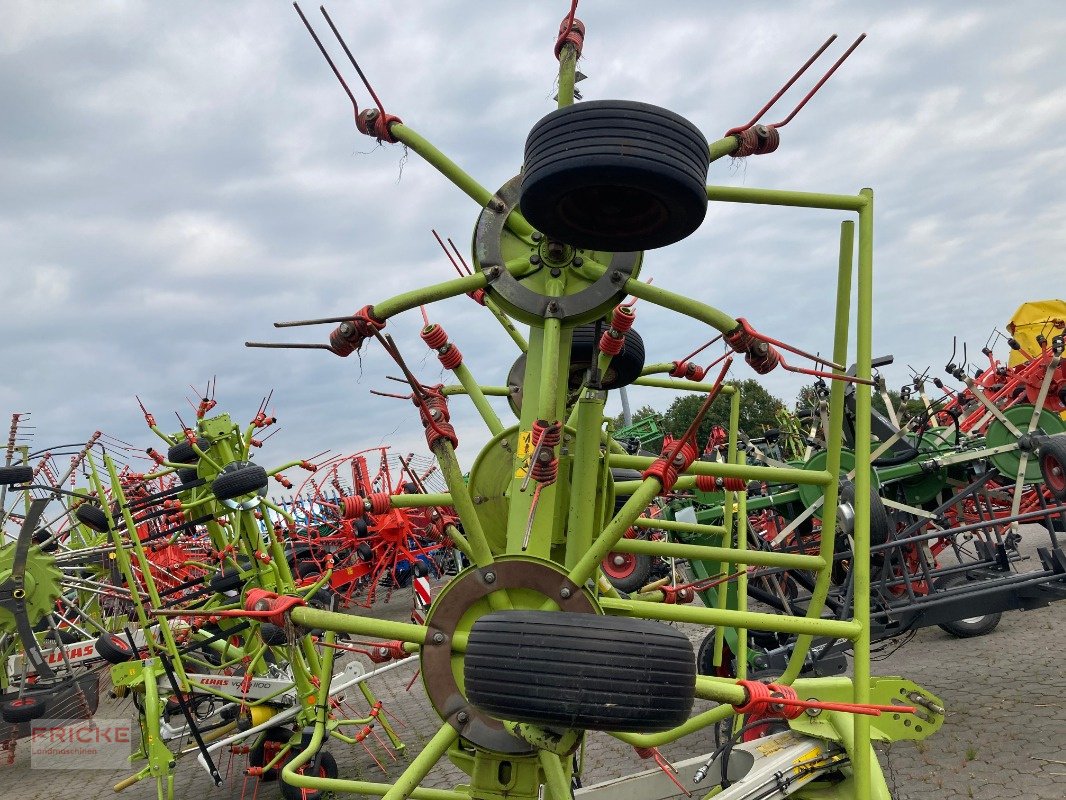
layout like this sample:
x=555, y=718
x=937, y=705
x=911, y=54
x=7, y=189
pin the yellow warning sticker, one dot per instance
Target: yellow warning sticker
x=525, y=450
x=808, y=756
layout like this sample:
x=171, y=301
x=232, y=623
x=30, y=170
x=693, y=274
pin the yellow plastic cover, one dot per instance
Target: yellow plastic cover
x=1032, y=318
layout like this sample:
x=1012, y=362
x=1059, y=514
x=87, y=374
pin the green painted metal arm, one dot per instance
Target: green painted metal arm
x=718, y=320
x=748, y=472
x=843, y=629
x=731, y=555
x=450, y=170
x=430, y=294
x=723, y=147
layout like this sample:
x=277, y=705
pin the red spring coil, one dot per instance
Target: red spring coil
x=734, y=484
x=763, y=360
x=547, y=435
x=575, y=35
x=434, y=336
x=673, y=460
x=478, y=296
x=622, y=318
x=451, y=357
x=761, y=697
x=611, y=343
x=739, y=338
x=352, y=507
x=349, y=336
x=758, y=140
x=688, y=371
x=372, y=122
x=706, y=483
x=433, y=409
x=379, y=503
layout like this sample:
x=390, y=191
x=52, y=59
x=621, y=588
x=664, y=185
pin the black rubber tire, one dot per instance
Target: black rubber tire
x=187, y=475
x=245, y=480
x=625, y=367
x=114, y=649
x=182, y=452
x=9, y=476
x=365, y=552
x=307, y=568
x=92, y=517
x=1053, y=466
x=257, y=755
x=634, y=580
x=705, y=658
x=619, y=474
x=23, y=709
x=420, y=569
x=580, y=671
x=360, y=528
x=880, y=526
x=274, y=636
x=966, y=628
x=327, y=768
x=229, y=578
x=615, y=176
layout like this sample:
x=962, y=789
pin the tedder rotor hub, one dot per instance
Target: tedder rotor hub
x=522, y=582
x=39, y=590
x=594, y=282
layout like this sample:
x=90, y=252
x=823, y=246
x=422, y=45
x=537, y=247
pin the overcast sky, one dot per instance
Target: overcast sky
x=174, y=177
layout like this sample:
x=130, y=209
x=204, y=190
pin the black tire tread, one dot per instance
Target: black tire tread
x=580, y=671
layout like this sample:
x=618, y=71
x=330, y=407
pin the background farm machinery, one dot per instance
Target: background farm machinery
x=961, y=490
x=132, y=583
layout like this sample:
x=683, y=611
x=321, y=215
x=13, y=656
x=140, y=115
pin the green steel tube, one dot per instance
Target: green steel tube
x=693, y=725
x=680, y=385
x=556, y=780
x=614, y=531
x=729, y=555
x=681, y=527
x=585, y=470
x=834, y=444
x=492, y=422
x=460, y=542
x=549, y=370
x=842, y=629
x=723, y=147
x=450, y=170
x=683, y=305
x=657, y=369
x=361, y=626
x=425, y=761
x=567, y=77
x=746, y=471
x=488, y=391
x=861, y=760
x=778, y=197
x=746, y=558
x=723, y=690
x=420, y=500
x=429, y=294
x=463, y=503
x=507, y=325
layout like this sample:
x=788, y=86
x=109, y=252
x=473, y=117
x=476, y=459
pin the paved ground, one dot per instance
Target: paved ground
x=1005, y=735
